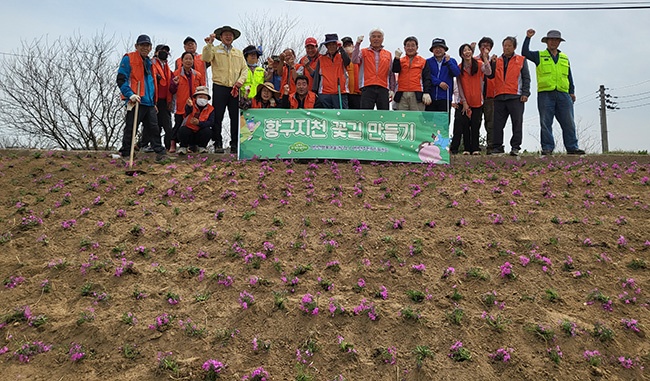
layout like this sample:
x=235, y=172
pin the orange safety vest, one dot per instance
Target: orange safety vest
x=304, y=61
x=509, y=84
x=137, y=75
x=186, y=89
x=310, y=100
x=286, y=79
x=201, y=115
x=472, y=85
x=199, y=65
x=410, y=75
x=369, y=74
x=353, y=78
x=332, y=74
x=165, y=74
x=257, y=104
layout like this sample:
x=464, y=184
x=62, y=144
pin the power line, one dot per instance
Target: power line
x=638, y=99
x=489, y=6
x=630, y=85
x=642, y=105
x=631, y=95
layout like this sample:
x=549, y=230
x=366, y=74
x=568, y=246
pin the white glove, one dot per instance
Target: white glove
x=359, y=39
x=391, y=93
x=134, y=98
x=398, y=53
x=426, y=99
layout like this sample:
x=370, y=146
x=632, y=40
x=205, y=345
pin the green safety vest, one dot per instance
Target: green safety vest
x=254, y=79
x=550, y=75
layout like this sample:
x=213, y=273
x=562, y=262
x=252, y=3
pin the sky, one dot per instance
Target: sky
x=604, y=47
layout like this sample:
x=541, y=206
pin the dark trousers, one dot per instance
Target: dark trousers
x=513, y=108
x=150, y=130
x=189, y=138
x=354, y=101
x=222, y=100
x=440, y=105
x=331, y=101
x=488, y=117
x=178, y=121
x=457, y=133
x=374, y=95
x=470, y=127
x=165, y=121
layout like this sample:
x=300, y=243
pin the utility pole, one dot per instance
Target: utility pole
x=603, y=120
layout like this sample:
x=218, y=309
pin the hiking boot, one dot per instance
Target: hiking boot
x=147, y=149
x=576, y=152
x=514, y=152
x=203, y=150
x=182, y=151
x=547, y=153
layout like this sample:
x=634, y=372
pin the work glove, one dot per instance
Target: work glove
x=135, y=98
x=398, y=53
x=426, y=99
x=359, y=39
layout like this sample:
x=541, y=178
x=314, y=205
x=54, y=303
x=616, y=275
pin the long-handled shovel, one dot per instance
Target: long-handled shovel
x=131, y=171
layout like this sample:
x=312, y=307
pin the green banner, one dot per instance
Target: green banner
x=404, y=136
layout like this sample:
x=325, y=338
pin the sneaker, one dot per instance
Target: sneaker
x=203, y=150
x=465, y=152
x=218, y=150
x=476, y=153
x=182, y=151
x=547, y=153
x=514, y=152
x=147, y=149
x=576, y=152
x=497, y=152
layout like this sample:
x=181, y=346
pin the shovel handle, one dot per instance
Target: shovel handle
x=135, y=127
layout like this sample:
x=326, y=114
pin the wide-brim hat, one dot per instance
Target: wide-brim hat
x=202, y=90
x=268, y=85
x=331, y=38
x=226, y=28
x=553, y=34
x=438, y=42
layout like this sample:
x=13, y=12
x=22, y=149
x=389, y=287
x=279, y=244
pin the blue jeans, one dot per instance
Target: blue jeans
x=332, y=101
x=559, y=105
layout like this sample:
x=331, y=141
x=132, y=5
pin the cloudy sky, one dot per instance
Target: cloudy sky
x=605, y=47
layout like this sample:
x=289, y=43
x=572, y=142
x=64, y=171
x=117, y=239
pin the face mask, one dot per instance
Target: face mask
x=349, y=49
x=162, y=55
x=201, y=102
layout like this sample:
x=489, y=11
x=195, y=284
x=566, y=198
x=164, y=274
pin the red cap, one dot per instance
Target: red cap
x=311, y=41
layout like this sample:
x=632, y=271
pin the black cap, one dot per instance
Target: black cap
x=347, y=40
x=250, y=49
x=143, y=39
x=188, y=39
x=160, y=47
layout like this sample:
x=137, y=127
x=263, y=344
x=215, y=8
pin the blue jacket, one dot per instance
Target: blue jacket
x=124, y=81
x=448, y=70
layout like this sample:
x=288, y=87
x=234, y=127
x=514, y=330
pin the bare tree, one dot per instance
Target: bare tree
x=274, y=34
x=63, y=93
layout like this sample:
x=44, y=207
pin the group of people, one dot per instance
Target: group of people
x=340, y=74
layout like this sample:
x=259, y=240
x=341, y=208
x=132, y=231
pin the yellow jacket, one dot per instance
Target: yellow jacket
x=228, y=66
